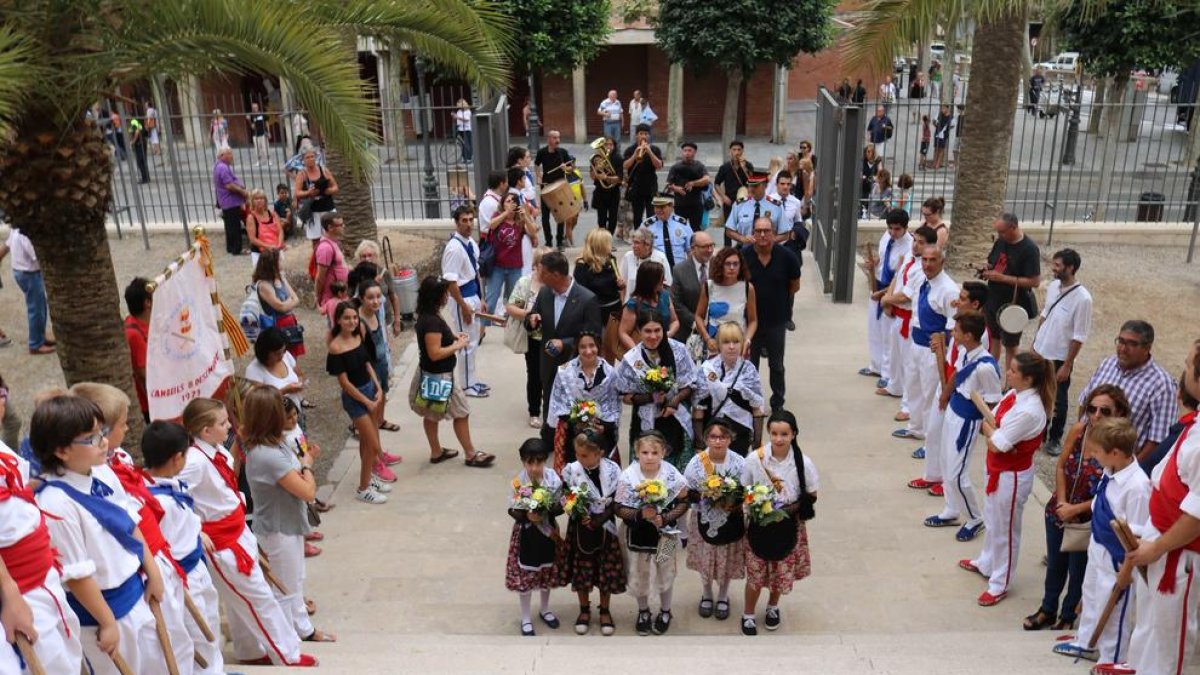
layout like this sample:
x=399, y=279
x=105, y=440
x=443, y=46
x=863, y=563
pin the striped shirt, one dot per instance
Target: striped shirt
x=1151, y=392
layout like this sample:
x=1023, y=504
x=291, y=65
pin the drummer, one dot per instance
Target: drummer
x=672, y=234
x=1013, y=271
x=552, y=162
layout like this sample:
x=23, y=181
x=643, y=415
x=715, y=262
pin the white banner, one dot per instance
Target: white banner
x=185, y=356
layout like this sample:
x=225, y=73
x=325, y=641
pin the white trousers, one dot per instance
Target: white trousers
x=877, y=329
x=956, y=467
x=1002, y=512
x=1098, y=583
x=1164, y=640
x=932, y=420
x=464, y=369
x=923, y=383
x=261, y=148
x=897, y=351
x=257, y=624
x=286, y=554
x=204, y=595
x=57, y=646
x=174, y=614
x=138, y=645
x=647, y=577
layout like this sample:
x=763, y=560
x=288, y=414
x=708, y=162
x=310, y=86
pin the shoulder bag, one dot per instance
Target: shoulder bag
x=516, y=336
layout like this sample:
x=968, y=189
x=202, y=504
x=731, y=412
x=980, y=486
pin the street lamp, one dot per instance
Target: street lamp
x=534, y=122
x=429, y=183
x=1072, y=139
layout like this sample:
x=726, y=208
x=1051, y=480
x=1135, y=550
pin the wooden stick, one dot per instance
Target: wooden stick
x=164, y=638
x=490, y=317
x=119, y=662
x=1124, y=580
x=983, y=408
x=271, y=578
x=1129, y=541
x=198, y=617
x=938, y=347
x=200, y=660
x=32, y=662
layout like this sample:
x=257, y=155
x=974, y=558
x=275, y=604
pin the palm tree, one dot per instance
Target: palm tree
x=883, y=26
x=57, y=58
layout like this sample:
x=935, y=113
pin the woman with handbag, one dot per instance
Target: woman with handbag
x=278, y=301
x=316, y=183
x=434, y=395
x=528, y=342
x=649, y=296
x=778, y=554
x=727, y=297
x=596, y=270
x=1069, y=512
x=584, y=380
x=730, y=388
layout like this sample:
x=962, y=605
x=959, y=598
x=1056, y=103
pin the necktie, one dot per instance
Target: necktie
x=886, y=273
x=668, y=248
x=703, y=275
x=99, y=489
x=757, y=211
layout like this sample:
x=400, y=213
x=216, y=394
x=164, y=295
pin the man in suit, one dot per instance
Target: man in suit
x=690, y=276
x=563, y=309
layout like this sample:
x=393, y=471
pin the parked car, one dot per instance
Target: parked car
x=1066, y=64
x=937, y=50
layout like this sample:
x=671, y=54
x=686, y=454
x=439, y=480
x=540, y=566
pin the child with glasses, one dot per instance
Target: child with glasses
x=717, y=528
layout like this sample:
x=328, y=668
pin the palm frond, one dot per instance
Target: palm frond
x=469, y=37
x=882, y=27
x=182, y=38
x=17, y=74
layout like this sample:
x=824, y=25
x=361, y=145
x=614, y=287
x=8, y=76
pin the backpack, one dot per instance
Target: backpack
x=251, y=314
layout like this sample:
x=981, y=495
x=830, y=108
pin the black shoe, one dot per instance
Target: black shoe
x=549, y=619
x=772, y=620
x=643, y=622
x=791, y=325
x=527, y=630
x=722, y=612
x=706, y=608
x=662, y=623
x=748, y=626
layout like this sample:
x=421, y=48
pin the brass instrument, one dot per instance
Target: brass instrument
x=602, y=169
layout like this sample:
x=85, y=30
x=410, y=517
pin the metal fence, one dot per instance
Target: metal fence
x=835, y=196
x=1058, y=157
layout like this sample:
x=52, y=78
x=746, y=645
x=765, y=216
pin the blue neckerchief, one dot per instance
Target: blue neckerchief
x=182, y=499
x=99, y=489
x=931, y=322
x=111, y=517
x=1102, y=532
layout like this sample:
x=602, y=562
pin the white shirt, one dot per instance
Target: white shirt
x=985, y=379
x=1128, y=493
x=635, y=112
x=611, y=109
x=180, y=525
x=784, y=470
x=21, y=250
x=1064, y=321
x=942, y=292
x=1023, y=421
x=214, y=500
x=257, y=372
x=908, y=285
x=18, y=518
x=488, y=206
x=791, y=214
x=560, y=301
x=456, y=264
x=85, y=548
x=1189, y=472
x=901, y=248
x=462, y=120
x=629, y=265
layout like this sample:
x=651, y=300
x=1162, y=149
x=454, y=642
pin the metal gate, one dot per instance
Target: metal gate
x=836, y=196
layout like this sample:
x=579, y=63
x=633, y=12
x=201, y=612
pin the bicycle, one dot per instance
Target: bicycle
x=451, y=151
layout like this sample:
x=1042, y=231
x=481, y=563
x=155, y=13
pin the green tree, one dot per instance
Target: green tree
x=738, y=36
x=57, y=58
x=1129, y=35
x=555, y=36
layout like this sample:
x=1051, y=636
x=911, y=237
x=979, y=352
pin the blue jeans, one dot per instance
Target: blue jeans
x=612, y=129
x=35, y=305
x=502, y=277
x=468, y=151
x=1059, y=567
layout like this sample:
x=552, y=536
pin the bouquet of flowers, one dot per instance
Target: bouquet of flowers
x=584, y=412
x=722, y=491
x=652, y=492
x=763, y=504
x=579, y=502
x=530, y=497
x=658, y=380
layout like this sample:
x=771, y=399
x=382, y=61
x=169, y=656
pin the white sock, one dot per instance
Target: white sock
x=747, y=616
x=545, y=600
x=723, y=591
x=526, y=601
x=707, y=594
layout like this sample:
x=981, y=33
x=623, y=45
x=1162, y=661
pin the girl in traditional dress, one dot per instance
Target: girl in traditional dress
x=654, y=409
x=533, y=550
x=778, y=554
x=583, y=380
x=730, y=388
x=650, y=516
x=717, y=531
x=594, y=558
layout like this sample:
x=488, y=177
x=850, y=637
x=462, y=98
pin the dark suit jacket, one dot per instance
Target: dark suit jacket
x=685, y=295
x=582, y=311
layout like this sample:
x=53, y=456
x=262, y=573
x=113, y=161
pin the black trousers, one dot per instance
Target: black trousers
x=533, y=377
x=139, y=155
x=607, y=203
x=769, y=341
x=232, y=218
x=1061, y=407
x=546, y=232
x=693, y=213
x=641, y=208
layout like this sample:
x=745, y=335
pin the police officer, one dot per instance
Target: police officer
x=672, y=234
x=756, y=204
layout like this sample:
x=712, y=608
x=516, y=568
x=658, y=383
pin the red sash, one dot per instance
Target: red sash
x=151, y=511
x=1017, y=459
x=905, y=313
x=30, y=559
x=1164, y=506
x=225, y=534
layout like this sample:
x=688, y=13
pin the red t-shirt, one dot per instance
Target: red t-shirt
x=506, y=237
x=135, y=334
x=329, y=254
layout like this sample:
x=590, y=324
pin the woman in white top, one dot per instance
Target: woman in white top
x=462, y=128
x=730, y=388
x=635, y=115
x=275, y=367
x=728, y=296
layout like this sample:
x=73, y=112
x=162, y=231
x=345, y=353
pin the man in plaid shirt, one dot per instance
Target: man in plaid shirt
x=1150, y=390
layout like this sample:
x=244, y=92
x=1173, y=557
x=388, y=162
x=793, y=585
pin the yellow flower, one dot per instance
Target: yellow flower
x=714, y=482
x=767, y=508
x=516, y=484
x=652, y=489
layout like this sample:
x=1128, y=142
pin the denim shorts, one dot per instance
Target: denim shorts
x=352, y=406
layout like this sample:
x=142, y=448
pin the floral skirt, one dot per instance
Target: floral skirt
x=714, y=563
x=779, y=576
x=602, y=569
x=522, y=580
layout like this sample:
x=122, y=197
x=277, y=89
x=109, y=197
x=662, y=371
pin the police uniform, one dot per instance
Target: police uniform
x=745, y=211
x=673, y=237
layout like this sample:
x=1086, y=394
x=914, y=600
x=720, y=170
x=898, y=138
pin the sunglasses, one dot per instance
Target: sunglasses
x=1103, y=410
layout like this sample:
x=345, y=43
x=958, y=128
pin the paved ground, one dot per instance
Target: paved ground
x=417, y=584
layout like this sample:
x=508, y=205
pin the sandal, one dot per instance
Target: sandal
x=389, y=426
x=1063, y=624
x=1038, y=620
x=322, y=506
x=585, y=618
x=447, y=453
x=319, y=636
x=606, y=623
x=305, y=403
x=480, y=460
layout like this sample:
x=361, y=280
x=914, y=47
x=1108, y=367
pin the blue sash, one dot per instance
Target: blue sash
x=114, y=519
x=931, y=321
x=120, y=600
x=1102, y=532
x=964, y=408
x=182, y=499
x=189, y=561
x=471, y=288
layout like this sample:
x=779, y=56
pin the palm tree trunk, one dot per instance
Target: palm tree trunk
x=986, y=142
x=353, y=202
x=56, y=188
x=1093, y=126
x=733, y=88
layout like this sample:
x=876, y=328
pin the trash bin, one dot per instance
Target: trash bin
x=1150, y=207
x=404, y=285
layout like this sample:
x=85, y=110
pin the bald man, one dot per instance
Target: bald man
x=690, y=275
x=775, y=273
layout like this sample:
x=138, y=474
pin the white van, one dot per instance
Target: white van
x=1066, y=64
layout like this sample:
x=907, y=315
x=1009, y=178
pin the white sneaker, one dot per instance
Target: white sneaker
x=380, y=486
x=535, y=422
x=370, y=496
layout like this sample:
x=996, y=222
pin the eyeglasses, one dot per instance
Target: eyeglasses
x=93, y=439
x=763, y=232
x=714, y=438
x=1128, y=344
x=1103, y=410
